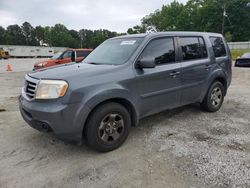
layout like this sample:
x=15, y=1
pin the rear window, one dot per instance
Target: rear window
x=247, y=55
x=193, y=48
x=82, y=53
x=218, y=46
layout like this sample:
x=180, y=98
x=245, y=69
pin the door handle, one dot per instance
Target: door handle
x=174, y=74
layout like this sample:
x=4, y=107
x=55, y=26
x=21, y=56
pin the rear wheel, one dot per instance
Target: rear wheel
x=214, y=97
x=107, y=127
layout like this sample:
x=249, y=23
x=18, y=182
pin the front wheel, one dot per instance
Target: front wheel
x=214, y=97
x=108, y=127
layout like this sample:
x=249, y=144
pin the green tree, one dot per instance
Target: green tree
x=29, y=34
x=40, y=34
x=76, y=40
x=47, y=35
x=57, y=35
x=15, y=35
x=220, y=16
x=60, y=36
x=2, y=36
x=237, y=21
x=137, y=29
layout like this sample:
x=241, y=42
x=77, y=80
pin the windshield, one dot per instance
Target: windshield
x=56, y=55
x=246, y=55
x=114, y=51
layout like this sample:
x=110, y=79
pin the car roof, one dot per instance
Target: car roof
x=81, y=49
x=170, y=33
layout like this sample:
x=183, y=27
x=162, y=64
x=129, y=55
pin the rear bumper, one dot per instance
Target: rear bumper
x=242, y=63
x=61, y=119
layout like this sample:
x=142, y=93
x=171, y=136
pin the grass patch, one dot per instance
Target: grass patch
x=239, y=52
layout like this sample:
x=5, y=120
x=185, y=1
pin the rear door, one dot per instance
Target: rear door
x=195, y=68
x=159, y=87
x=222, y=55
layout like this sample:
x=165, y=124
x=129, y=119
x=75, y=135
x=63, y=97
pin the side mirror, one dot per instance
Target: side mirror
x=147, y=63
x=73, y=57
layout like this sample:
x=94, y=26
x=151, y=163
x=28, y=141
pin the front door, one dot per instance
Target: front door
x=66, y=57
x=159, y=87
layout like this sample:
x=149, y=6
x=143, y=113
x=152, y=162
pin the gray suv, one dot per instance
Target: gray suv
x=123, y=80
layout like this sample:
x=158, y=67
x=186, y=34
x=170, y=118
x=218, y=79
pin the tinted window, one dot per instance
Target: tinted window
x=218, y=46
x=162, y=50
x=203, y=47
x=192, y=48
x=82, y=53
x=67, y=54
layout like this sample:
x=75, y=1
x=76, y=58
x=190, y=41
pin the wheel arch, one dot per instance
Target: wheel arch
x=220, y=76
x=223, y=81
x=216, y=76
x=122, y=101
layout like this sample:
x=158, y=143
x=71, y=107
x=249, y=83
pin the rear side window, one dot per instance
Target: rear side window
x=82, y=53
x=193, y=48
x=162, y=50
x=218, y=46
x=203, y=47
x=67, y=54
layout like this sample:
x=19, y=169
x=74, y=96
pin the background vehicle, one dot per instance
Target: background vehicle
x=65, y=57
x=243, y=61
x=101, y=98
x=4, y=54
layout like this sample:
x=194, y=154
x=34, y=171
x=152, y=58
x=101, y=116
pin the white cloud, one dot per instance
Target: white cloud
x=115, y=15
x=7, y=18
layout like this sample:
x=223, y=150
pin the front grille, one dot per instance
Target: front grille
x=30, y=88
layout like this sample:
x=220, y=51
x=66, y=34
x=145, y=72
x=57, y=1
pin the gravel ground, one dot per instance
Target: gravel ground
x=185, y=147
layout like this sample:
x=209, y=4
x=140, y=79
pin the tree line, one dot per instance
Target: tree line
x=57, y=35
x=231, y=18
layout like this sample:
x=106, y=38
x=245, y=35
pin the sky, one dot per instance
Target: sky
x=114, y=15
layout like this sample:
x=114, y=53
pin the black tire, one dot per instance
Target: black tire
x=210, y=102
x=102, y=136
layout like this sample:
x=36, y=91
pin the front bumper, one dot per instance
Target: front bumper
x=62, y=119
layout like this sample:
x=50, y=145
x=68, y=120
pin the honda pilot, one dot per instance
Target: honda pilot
x=124, y=80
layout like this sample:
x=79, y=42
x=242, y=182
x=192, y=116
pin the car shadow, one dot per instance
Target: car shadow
x=47, y=142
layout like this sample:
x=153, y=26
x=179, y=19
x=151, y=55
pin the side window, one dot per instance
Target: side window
x=162, y=50
x=203, y=47
x=218, y=46
x=82, y=53
x=67, y=54
x=193, y=48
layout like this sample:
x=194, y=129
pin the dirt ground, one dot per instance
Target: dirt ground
x=185, y=147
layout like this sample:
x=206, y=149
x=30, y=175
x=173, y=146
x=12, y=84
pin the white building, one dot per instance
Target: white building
x=31, y=51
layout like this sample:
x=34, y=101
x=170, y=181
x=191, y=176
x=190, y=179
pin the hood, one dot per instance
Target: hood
x=46, y=61
x=67, y=71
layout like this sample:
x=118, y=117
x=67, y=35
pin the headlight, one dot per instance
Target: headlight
x=51, y=89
